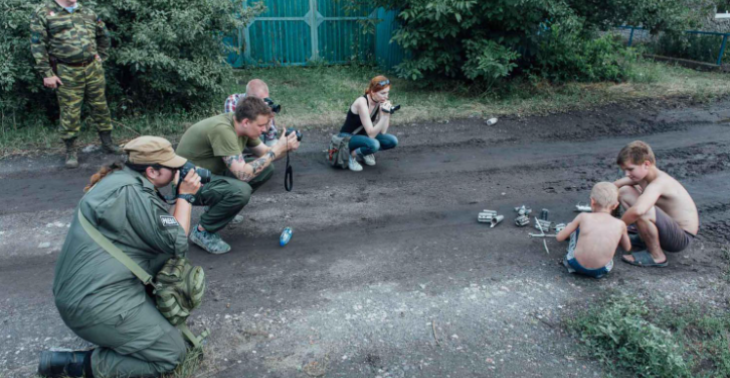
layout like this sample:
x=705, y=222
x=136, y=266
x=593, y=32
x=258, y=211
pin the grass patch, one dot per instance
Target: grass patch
x=319, y=96
x=649, y=339
x=188, y=368
x=725, y=251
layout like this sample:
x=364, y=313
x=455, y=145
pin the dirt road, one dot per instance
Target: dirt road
x=388, y=274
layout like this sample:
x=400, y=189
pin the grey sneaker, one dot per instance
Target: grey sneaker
x=354, y=165
x=210, y=242
x=369, y=159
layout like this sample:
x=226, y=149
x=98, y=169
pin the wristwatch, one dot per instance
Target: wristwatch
x=187, y=197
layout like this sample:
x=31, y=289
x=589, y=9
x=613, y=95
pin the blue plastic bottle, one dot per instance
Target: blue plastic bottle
x=285, y=236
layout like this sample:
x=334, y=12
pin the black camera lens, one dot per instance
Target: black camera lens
x=204, y=175
x=299, y=134
x=202, y=172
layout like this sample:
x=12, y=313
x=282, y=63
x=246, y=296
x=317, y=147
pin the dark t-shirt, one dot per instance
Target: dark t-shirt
x=352, y=122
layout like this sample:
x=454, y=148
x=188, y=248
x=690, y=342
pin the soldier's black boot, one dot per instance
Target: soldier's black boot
x=72, y=160
x=106, y=143
x=65, y=364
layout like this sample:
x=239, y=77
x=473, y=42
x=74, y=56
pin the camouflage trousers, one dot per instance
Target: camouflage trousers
x=81, y=83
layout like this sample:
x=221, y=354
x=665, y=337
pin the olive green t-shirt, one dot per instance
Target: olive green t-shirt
x=207, y=142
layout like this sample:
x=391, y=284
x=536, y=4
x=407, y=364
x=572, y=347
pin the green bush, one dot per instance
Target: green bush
x=703, y=48
x=21, y=89
x=619, y=333
x=566, y=56
x=485, y=40
x=165, y=54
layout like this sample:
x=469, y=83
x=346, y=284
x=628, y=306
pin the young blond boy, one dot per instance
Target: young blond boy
x=664, y=213
x=595, y=236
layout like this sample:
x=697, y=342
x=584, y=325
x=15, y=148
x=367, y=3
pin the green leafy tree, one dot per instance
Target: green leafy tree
x=165, y=54
x=557, y=39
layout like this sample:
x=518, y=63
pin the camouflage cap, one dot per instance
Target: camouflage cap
x=153, y=150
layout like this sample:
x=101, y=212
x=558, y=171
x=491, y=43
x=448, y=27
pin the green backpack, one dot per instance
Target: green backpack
x=178, y=287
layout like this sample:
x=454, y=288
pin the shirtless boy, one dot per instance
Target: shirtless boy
x=663, y=211
x=595, y=236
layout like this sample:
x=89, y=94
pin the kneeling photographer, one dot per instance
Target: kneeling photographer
x=102, y=300
x=367, y=123
x=217, y=144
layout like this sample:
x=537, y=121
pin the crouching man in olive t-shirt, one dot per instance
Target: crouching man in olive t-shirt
x=217, y=144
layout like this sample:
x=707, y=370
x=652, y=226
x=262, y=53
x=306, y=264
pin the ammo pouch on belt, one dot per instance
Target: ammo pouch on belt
x=178, y=286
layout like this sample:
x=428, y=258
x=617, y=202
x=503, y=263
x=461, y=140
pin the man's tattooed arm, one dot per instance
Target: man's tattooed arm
x=248, y=171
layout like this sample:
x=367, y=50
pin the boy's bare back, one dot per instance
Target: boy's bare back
x=600, y=235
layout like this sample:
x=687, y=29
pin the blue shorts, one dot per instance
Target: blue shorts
x=574, y=266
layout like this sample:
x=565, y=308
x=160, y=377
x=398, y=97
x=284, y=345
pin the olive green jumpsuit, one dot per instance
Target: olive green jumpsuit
x=100, y=299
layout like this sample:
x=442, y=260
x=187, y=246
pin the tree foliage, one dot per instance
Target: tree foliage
x=555, y=39
x=165, y=54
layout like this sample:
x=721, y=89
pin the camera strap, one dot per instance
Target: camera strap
x=289, y=173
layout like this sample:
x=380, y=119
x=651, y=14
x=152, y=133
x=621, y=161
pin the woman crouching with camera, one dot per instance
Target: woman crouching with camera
x=367, y=122
x=98, y=297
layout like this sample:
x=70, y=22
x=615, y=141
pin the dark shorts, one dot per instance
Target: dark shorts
x=672, y=237
x=573, y=266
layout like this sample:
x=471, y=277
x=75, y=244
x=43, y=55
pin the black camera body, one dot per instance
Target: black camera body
x=202, y=172
x=393, y=109
x=299, y=133
x=276, y=108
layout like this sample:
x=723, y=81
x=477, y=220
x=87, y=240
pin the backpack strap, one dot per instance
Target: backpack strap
x=194, y=340
x=113, y=250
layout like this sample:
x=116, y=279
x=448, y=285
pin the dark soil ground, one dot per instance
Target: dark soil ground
x=388, y=273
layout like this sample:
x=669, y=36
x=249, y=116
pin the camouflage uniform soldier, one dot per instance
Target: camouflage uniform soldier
x=69, y=43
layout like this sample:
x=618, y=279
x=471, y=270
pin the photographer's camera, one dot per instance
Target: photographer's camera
x=299, y=133
x=202, y=172
x=393, y=109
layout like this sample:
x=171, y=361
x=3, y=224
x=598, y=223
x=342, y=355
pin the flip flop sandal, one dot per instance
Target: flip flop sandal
x=644, y=259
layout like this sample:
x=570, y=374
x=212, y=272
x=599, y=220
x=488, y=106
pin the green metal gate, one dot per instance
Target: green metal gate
x=296, y=32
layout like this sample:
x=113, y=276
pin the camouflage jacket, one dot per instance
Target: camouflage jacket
x=68, y=37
